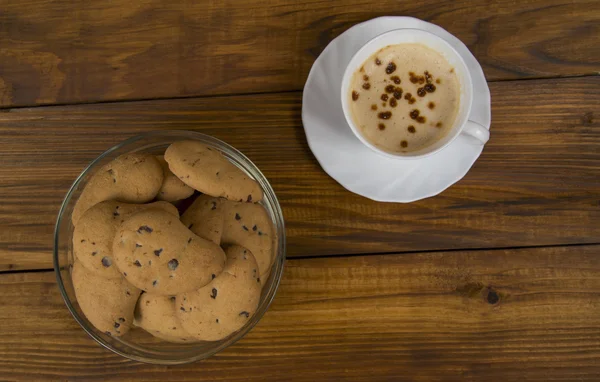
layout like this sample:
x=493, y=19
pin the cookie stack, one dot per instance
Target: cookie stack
x=197, y=277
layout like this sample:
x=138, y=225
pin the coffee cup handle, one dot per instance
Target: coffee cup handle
x=477, y=131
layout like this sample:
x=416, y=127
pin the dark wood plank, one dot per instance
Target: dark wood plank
x=82, y=50
x=536, y=182
x=530, y=314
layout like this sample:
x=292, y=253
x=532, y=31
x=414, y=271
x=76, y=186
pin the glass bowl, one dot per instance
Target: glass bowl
x=137, y=344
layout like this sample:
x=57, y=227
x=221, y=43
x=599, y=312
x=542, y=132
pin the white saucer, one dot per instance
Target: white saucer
x=355, y=166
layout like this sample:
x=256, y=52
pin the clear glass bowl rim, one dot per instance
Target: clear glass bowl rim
x=278, y=265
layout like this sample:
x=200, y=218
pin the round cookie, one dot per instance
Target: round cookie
x=95, y=231
x=158, y=254
x=209, y=172
x=250, y=226
x=107, y=303
x=156, y=315
x=226, y=304
x=205, y=218
x=172, y=189
x=132, y=178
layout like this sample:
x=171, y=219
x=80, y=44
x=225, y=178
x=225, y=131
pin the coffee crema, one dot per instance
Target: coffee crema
x=416, y=92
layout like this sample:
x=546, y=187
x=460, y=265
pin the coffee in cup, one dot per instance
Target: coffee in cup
x=404, y=97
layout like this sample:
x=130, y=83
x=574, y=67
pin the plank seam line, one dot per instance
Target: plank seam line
x=6, y=109
x=376, y=254
x=449, y=250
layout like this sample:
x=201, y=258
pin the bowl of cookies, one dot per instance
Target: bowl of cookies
x=169, y=247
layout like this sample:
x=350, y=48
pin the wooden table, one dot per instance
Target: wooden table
x=496, y=279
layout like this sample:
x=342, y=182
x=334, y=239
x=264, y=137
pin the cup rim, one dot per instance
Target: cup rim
x=454, y=132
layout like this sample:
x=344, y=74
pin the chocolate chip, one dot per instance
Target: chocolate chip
x=173, y=298
x=385, y=115
x=366, y=86
x=430, y=88
x=190, y=226
x=421, y=92
x=365, y=78
x=377, y=61
x=391, y=68
x=154, y=282
x=437, y=81
x=137, y=263
x=398, y=93
x=116, y=325
x=106, y=262
x=116, y=213
x=217, y=320
x=157, y=252
x=214, y=205
x=373, y=107
x=411, y=129
x=258, y=279
x=421, y=119
x=108, y=333
x=384, y=97
x=173, y=264
x=245, y=228
x=93, y=243
x=83, y=241
x=414, y=114
x=237, y=217
x=121, y=319
x=94, y=253
x=138, y=245
x=144, y=228
x=254, y=228
x=403, y=143
x=407, y=96
x=354, y=96
x=393, y=102
x=249, y=200
x=214, y=293
x=396, y=79
x=260, y=233
x=125, y=274
x=244, y=313
x=431, y=105
x=182, y=309
x=390, y=88
x=213, y=276
x=439, y=124
x=381, y=126
x=127, y=293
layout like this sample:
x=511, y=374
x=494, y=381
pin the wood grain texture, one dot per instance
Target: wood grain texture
x=503, y=315
x=94, y=50
x=536, y=182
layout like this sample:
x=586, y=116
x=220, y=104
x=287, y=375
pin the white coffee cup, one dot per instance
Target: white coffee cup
x=462, y=124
